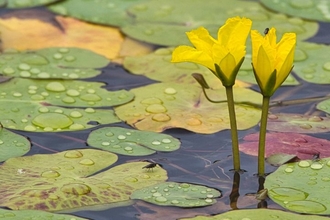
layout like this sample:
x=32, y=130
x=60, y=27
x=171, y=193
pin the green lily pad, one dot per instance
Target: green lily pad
x=177, y=194
x=297, y=123
x=258, y=214
x=66, y=180
x=63, y=93
x=307, y=9
x=161, y=106
x=35, y=117
x=34, y=214
x=302, y=186
x=131, y=142
x=28, y=3
x=60, y=63
x=172, y=18
x=324, y=106
x=12, y=145
x=109, y=12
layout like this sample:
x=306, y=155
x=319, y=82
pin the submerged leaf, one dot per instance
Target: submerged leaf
x=177, y=194
x=162, y=106
x=131, y=142
x=12, y=145
x=65, y=180
x=302, y=186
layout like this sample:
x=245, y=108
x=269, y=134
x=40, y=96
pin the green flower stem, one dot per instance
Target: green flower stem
x=262, y=136
x=233, y=127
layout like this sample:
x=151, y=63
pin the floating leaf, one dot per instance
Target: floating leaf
x=70, y=33
x=298, y=123
x=257, y=214
x=302, y=186
x=310, y=10
x=104, y=12
x=62, y=63
x=65, y=180
x=303, y=146
x=34, y=214
x=12, y=145
x=177, y=194
x=171, y=19
x=280, y=158
x=324, y=106
x=63, y=93
x=131, y=142
x=161, y=106
x=27, y=3
x=29, y=116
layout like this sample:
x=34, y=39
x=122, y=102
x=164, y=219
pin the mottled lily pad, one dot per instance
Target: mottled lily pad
x=34, y=214
x=57, y=63
x=301, y=145
x=131, y=142
x=172, y=18
x=307, y=9
x=161, y=106
x=12, y=145
x=109, y=12
x=65, y=180
x=298, y=123
x=28, y=3
x=35, y=117
x=177, y=194
x=257, y=214
x=301, y=186
x=63, y=93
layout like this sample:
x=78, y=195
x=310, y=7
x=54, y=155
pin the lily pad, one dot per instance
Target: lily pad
x=35, y=117
x=131, y=142
x=34, y=214
x=63, y=93
x=12, y=145
x=66, y=180
x=324, y=106
x=298, y=123
x=302, y=186
x=310, y=9
x=171, y=19
x=162, y=106
x=177, y=194
x=58, y=63
x=258, y=214
x=104, y=12
x=303, y=146
x=28, y=3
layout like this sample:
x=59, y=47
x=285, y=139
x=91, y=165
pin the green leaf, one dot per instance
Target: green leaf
x=177, y=194
x=63, y=93
x=29, y=116
x=28, y=3
x=302, y=186
x=34, y=214
x=60, y=63
x=257, y=214
x=67, y=180
x=161, y=106
x=131, y=142
x=12, y=145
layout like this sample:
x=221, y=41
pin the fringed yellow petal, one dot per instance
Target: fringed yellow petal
x=201, y=39
x=227, y=65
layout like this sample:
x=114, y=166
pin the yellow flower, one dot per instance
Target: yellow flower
x=272, y=62
x=223, y=56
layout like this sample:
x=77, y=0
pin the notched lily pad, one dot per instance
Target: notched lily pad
x=257, y=214
x=28, y=3
x=63, y=93
x=65, y=180
x=177, y=194
x=162, y=106
x=29, y=116
x=34, y=214
x=131, y=142
x=302, y=186
x=298, y=123
x=12, y=145
x=57, y=63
